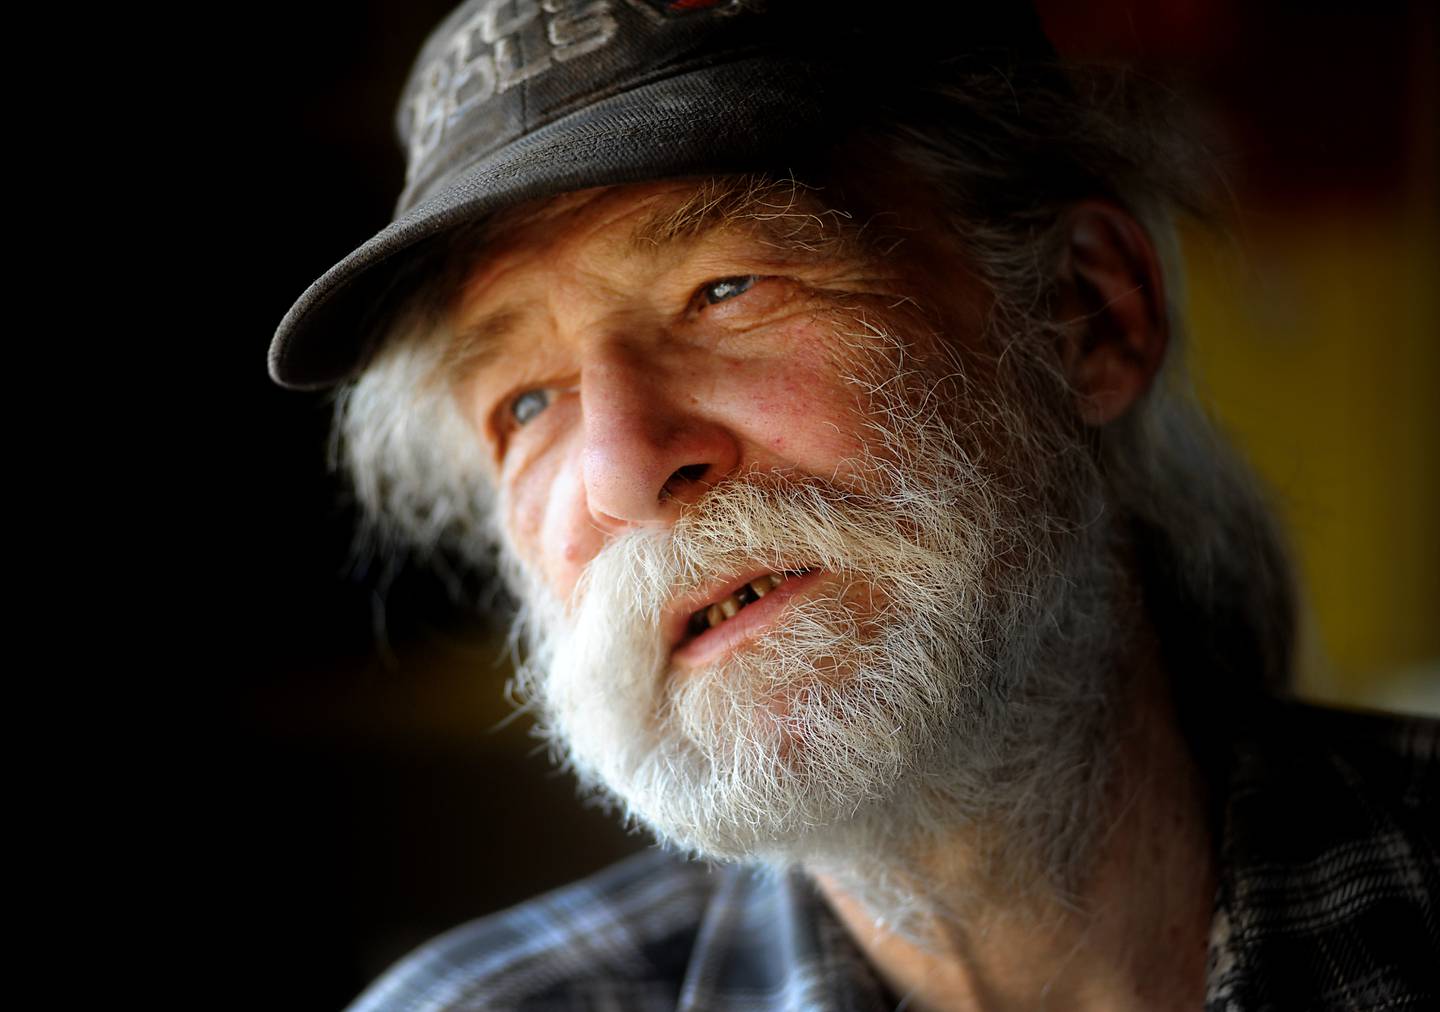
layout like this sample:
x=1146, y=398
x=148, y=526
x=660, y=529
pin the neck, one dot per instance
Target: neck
x=1133, y=938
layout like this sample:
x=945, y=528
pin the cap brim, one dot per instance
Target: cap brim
x=742, y=116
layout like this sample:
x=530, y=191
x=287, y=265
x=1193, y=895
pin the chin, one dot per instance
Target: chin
x=761, y=754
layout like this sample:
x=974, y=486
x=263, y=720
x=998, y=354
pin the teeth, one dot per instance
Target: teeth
x=730, y=606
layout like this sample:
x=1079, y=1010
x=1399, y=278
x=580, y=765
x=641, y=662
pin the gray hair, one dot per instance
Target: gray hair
x=1008, y=150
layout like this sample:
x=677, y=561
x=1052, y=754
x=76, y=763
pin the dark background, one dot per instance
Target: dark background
x=333, y=788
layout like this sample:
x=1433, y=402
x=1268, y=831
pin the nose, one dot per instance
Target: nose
x=650, y=448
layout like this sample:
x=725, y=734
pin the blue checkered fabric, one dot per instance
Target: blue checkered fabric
x=1328, y=899
x=650, y=933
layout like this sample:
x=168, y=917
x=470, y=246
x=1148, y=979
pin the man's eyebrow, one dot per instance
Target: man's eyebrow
x=478, y=342
x=783, y=213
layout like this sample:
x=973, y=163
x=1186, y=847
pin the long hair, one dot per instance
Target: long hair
x=1008, y=150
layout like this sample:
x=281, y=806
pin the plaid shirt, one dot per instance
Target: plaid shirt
x=1329, y=898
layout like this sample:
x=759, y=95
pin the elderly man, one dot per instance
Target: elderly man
x=811, y=374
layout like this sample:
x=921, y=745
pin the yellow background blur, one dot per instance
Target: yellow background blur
x=1317, y=344
x=1315, y=317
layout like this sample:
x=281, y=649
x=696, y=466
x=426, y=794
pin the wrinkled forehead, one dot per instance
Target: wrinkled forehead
x=784, y=213
x=846, y=221
x=869, y=218
x=650, y=228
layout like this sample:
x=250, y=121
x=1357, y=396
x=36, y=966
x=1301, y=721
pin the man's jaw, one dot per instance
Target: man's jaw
x=704, y=626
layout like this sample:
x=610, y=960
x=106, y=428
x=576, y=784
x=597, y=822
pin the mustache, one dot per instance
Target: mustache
x=900, y=523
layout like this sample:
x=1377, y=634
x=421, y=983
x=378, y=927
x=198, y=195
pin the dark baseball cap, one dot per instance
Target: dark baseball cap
x=513, y=100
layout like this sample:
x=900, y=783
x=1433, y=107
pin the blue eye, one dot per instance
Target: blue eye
x=727, y=288
x=529, y=404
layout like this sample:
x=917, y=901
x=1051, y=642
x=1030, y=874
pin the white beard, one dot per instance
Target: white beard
x=951, y=672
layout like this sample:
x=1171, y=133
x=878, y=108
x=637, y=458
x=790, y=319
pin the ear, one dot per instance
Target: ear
x=1112, y=301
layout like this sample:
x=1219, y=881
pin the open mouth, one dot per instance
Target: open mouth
x=735, y=616
x=732, y=604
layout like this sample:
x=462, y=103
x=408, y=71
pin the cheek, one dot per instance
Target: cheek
x=798, y=406
x=546, y=521
x=525, y=511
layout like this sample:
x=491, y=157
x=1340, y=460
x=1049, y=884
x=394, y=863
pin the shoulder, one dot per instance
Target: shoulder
x=623, y=935
x=1330, y=861
x=1406, y=738
x=1362, y=773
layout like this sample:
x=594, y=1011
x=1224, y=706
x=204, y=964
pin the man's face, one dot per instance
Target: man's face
x=616, y=370
x=775, y=538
